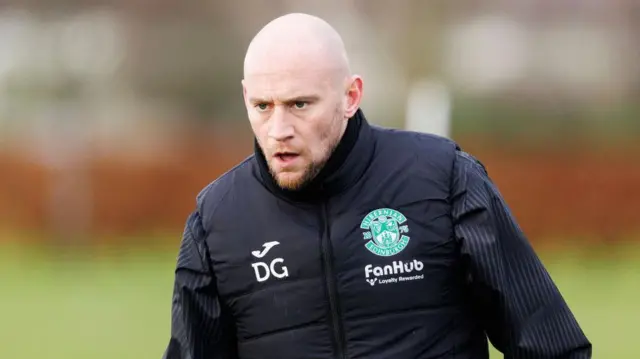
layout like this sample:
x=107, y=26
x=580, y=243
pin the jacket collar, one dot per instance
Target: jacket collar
x=345, y=166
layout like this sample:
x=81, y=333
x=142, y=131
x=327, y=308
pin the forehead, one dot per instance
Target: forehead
x=288, y=83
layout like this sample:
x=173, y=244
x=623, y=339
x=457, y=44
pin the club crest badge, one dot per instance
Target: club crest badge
x=385, y=232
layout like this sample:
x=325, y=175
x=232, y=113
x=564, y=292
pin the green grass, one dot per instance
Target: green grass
x=116, y=304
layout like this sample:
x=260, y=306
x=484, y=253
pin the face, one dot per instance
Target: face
x=298, y=119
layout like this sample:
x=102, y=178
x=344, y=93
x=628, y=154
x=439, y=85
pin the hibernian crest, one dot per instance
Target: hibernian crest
x=385, y=231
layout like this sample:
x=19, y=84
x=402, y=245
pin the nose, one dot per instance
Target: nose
x=281, y=128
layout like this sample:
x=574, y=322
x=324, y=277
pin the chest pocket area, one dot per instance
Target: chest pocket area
x=394, y=263
x=270, y=285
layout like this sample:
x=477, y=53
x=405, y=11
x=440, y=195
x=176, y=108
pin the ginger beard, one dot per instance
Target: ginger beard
x=296, y=177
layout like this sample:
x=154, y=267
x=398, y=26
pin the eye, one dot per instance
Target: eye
x=262, y=106
x=300, y=104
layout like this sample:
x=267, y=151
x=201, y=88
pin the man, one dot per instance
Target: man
x=339, y=239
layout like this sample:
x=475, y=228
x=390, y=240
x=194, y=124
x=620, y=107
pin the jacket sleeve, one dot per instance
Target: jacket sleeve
x=200, y=327
x=515, y=299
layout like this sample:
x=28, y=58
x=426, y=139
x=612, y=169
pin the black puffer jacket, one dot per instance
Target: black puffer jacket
x=401, y=248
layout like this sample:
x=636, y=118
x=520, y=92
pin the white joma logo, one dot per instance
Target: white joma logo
x=263, y=270
x=267, y=246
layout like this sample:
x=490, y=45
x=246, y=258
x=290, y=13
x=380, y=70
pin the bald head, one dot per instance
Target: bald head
x=297, y=42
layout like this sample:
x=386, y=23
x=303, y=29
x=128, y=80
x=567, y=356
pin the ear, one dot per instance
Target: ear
x=354, y=95
x=244, y=91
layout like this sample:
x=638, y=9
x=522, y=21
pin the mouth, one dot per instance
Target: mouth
x=286, y=157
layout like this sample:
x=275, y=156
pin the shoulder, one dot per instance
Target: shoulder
x=214, y=194
x=416, y=141
x=471, y=178
x=433, y=153
x=466, y=163
x=429, y=151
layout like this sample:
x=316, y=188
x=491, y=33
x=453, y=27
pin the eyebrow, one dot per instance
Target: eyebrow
x=302, y=98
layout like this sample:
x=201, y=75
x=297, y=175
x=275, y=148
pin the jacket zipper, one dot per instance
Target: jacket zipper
x=339, y=340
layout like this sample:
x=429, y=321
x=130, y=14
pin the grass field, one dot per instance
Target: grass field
x=115, y=304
